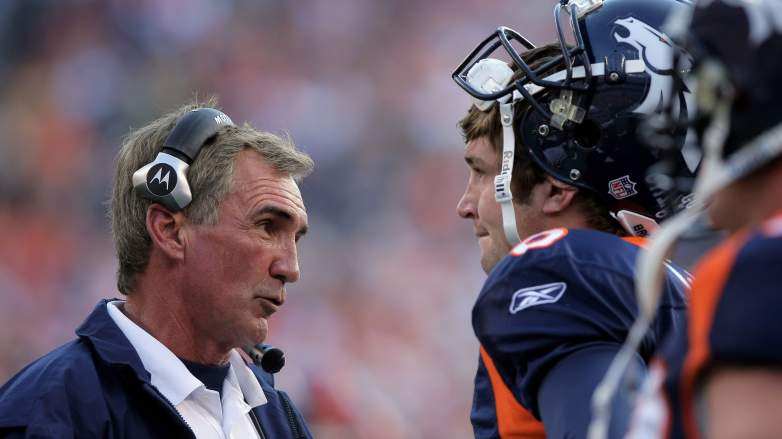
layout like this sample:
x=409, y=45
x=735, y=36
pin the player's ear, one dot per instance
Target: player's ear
x=165, y=229
x=558, y=195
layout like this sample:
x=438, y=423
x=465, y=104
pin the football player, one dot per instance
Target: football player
x=722, y=378
x=560, y=201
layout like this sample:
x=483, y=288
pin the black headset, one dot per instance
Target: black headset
x=164, y=180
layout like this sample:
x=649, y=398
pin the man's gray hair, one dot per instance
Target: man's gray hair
x=209, y=177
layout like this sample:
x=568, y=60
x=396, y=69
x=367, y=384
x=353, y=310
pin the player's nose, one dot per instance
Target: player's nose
x=467, y=205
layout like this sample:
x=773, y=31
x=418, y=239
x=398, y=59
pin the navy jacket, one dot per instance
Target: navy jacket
x=96, y=386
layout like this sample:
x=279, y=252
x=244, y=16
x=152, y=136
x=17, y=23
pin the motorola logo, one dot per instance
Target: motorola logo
x=161, y=179
x=222, y=119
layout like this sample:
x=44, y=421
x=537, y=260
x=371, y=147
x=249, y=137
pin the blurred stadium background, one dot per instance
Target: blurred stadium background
x=377, y=333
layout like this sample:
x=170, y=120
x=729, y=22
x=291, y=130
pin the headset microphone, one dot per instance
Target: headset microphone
x=266, y=356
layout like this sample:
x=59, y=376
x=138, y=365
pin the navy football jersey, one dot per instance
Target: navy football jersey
x=733, y=320
x=558, y=293
x=659, y=413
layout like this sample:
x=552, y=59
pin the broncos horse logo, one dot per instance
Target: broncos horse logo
x=656, y=51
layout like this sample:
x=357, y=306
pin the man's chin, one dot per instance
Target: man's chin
x=255, y=334
x=490, y=255
x=488, y=261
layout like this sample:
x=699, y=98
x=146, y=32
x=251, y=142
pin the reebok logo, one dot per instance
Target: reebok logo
x=537, y=295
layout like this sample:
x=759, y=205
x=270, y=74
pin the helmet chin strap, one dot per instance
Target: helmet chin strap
x=502, y=191
x=491, y=75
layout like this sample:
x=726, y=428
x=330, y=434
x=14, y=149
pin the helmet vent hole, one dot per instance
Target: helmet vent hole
x=587, y=134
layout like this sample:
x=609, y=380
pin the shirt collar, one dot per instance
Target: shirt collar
x=169, y=375
x=251, y=388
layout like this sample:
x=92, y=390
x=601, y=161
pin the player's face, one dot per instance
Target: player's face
x=738, y=205
x=478, y=203
x=723, y=211
x=237, y=268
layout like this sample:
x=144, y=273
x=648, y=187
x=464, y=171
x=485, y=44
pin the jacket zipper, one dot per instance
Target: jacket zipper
x=254, y=418
x=257, y=424
x=151, y=389
x=291, y=416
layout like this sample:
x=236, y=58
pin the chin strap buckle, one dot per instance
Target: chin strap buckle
x=489, y=76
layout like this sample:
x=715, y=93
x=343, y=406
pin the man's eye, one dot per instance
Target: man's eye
x=263, y=225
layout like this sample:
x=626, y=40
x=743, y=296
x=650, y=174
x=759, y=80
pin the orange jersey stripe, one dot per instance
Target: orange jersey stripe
x=710, y=278
x=513, y=420
x=635, y=240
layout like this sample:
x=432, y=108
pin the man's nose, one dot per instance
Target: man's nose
x=286, y=266
x=466, y=207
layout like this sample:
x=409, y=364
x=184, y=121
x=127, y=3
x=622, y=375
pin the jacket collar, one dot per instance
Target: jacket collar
x=113, y=347
x=108, y=341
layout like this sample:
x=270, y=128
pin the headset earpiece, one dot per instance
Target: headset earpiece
x=164, y=180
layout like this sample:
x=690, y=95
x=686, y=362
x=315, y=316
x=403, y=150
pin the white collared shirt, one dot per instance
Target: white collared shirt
x=203, y=410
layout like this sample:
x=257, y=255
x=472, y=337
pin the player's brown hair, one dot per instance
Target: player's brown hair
x=526, y=172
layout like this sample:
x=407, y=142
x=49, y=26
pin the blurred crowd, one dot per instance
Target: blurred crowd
x=377, y=333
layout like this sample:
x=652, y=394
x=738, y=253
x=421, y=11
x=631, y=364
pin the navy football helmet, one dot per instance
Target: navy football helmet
x=580, y=124
x=733, y=47
x=731, y=63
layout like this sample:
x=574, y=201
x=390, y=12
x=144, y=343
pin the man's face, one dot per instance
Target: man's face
x=236, y=270
x=478, y=203
x=744, y=203
x=723, y=211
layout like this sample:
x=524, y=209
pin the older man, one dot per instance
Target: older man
x=206, y=217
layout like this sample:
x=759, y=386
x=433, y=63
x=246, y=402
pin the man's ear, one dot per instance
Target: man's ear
x=165, y=230
x=559, y=196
